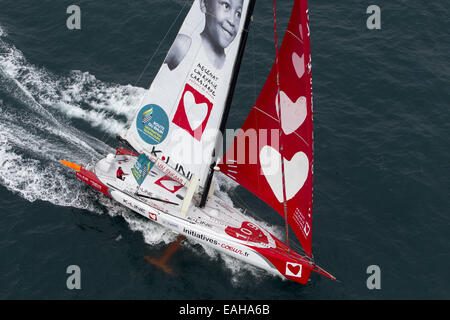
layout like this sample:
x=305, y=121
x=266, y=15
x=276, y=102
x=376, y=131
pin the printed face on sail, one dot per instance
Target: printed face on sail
x=222, y=20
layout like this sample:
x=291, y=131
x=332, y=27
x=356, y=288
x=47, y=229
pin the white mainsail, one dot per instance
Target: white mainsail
x=179, y=117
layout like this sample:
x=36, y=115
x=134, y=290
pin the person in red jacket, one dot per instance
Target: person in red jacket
x=120, y=174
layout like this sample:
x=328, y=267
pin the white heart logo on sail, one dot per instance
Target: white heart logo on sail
x=295, y=172
x=299, y=64
x=170, y=184
x=293, y=114
x=195, y=112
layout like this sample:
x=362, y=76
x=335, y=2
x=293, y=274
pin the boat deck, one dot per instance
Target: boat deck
x=167, y=195
x=218, y=224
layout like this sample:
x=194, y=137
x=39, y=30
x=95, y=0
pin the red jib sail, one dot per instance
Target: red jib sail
x=281, y=129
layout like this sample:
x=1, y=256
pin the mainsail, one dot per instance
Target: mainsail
x=179, y=117
x=280, y=128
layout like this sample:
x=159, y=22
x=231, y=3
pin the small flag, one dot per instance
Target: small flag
x=141, y=168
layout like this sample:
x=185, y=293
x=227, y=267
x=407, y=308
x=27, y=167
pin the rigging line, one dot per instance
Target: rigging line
x=253, y=64
x=294, y=35
x=161, y=42
x=279, y=115
x=254, y=92
x=278, y=120
x=151, y=59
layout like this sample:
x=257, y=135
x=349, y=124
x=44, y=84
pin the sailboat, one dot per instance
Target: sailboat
x=164, y=167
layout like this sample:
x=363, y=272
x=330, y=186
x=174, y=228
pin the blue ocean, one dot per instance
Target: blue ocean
x=381, y=152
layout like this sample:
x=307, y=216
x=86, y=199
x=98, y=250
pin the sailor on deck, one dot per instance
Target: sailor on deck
x=120, y=174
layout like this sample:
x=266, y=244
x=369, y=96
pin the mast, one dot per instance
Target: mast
x=226, y=112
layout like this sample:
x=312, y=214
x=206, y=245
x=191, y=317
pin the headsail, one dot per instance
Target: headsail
x=179, y=117
x=254, y=158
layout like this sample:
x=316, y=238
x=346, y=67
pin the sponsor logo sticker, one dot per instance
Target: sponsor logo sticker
x=153, y=216
x=293, y=269
x=152, y=124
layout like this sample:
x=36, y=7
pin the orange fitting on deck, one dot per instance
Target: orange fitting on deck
x=71, y=165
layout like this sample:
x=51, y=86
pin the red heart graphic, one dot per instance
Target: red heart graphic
x=293, y=269
x=168, y=184
x=184, y=120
